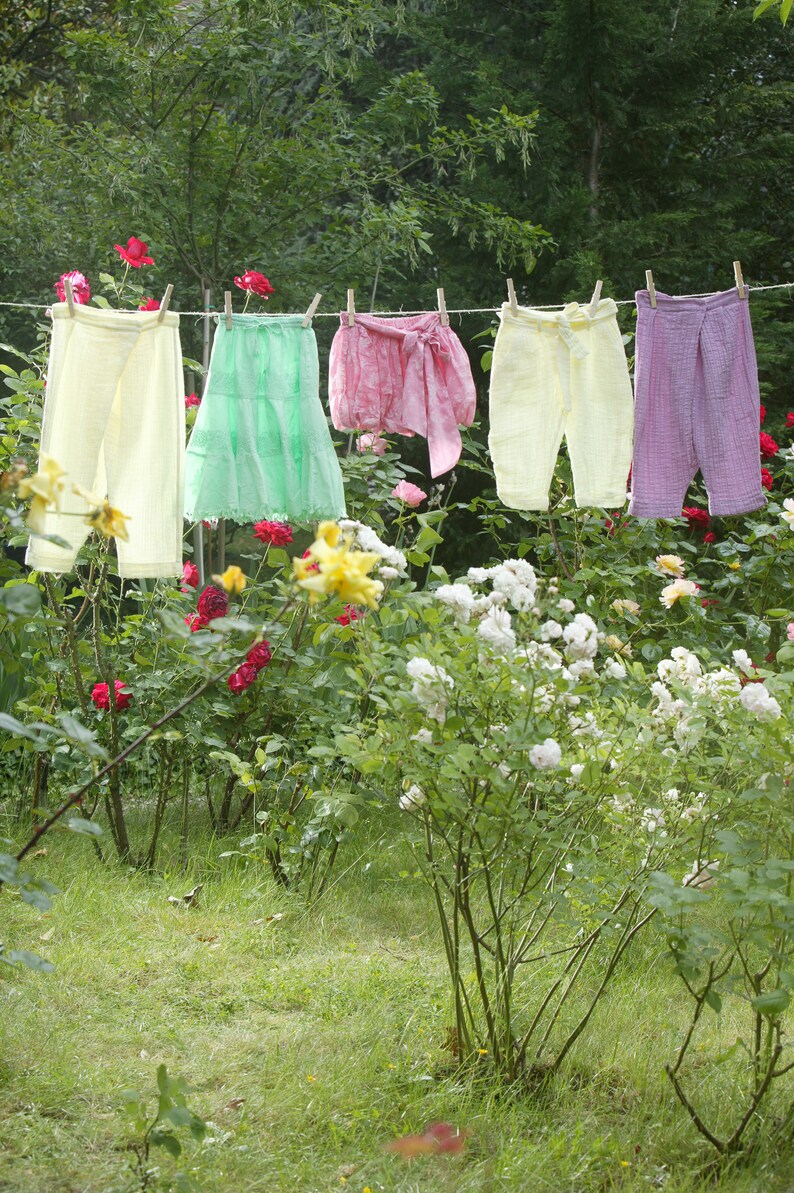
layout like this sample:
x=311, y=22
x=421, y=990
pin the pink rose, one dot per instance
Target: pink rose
x=790, y=631
x=149, y=304
x=100, y=694
x=190, y=574
x=409, y=494
x=257, y=283
x=371, y=442
x=81, y=287
x=242, y=678
x=135, y=253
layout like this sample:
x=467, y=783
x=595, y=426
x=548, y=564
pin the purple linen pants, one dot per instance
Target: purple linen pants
x=696, y=405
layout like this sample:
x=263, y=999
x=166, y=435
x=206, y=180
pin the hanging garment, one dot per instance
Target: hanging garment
x=114, y=419
x=408, y=376
x=261, y=447
x=698, y=405
x=555, y=373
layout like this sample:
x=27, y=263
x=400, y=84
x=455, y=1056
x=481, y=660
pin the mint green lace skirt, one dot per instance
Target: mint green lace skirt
x=260, y=446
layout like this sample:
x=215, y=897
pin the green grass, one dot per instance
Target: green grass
x=329, y=1023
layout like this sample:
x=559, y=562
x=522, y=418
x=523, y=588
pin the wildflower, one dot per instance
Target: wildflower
x=625, y=606
x=339, y=570
x=104, y=518
x=100, y=694
x=565, y=606
x=743, y=661
x=735, y=565
x=652, y=819
x=496, y=629
x=702, y=875
x=546, y=755
x=788, y=516
x=675, y=591
x=259, y=655
x=790, y=631
x=430, y=687
x=409, y=494
x=387, y=573
x=615, y=670
x=81, y=287
x=150, y=304
x=190, y=574
x=46, y=487
x=670, y=565
x=255, y=283
x=550, y=630
x=581, y=637
x=242, y=678
x=366, y=538
x=756, y=699
x=618, y=645
x=275, y=534
x=213, y=603
x=12, y=478
x=767, y=479
x=192, y=400
x=768, y=446
x=413, y=798
x=232, y=579
x=696, y=517
x=709, y=537
x=135, y=252
x=423, y=736
x=371, y=442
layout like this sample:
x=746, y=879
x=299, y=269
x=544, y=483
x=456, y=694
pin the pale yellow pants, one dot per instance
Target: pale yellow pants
x=114, y=419
x=553, y=374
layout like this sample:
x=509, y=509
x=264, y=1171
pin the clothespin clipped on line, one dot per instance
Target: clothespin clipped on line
x=227, y=308
x=596, y=297
x=169, y=290
x=351, y=308
x=313, y=305
x=442, y=307
x=511, y=294
x=651, y=287
x=737, y=273
x=67, y=289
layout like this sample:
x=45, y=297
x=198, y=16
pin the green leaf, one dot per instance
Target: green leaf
x=23, y=957
x=165, y=1139
x=773, y=1004
x=713, y=1000
x=77, y=824
x=21, y=600
x=763, y=7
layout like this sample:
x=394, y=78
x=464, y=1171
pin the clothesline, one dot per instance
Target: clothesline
x=621, y=302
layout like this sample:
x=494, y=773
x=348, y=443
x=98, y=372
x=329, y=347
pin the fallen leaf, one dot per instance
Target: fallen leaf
x=207, y=939
x=186, y=900
x=45, y=936
x=234, y=1104
x=40, y=853
x=437, y=1139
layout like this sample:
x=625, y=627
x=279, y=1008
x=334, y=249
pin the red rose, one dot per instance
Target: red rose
x=762, y=408
x=196, y=622
x=276, y=534
x=213, y=602
x=313, y=567
x=81, y=287
x=259, y=656
x=709, y=537
x=242, y=678
x=768, y=446
x=257, y=283
x=790, y=419
x=349, y=615
x=766, y=478
x=150, y=304
x=100, y=694
x=706, y=601
x=192, y=400
x=696, y=517
x=135, y=253
x=190, y=574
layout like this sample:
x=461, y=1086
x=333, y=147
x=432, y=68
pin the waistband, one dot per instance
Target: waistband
x=429, y=321
x=115, y=320
x=669, y=302
x=257, y=322
x=573, y=315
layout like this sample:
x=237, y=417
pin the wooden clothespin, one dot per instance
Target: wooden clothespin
x=442, y=307
x=351, y=308
x=313, y=305
x=595, y=299
x=227, y=308
x=651, y=287
x=67, y=289
x=511, y=294
x=737, y=273
x=169, y=290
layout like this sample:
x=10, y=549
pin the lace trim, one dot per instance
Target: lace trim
x=243, y=517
